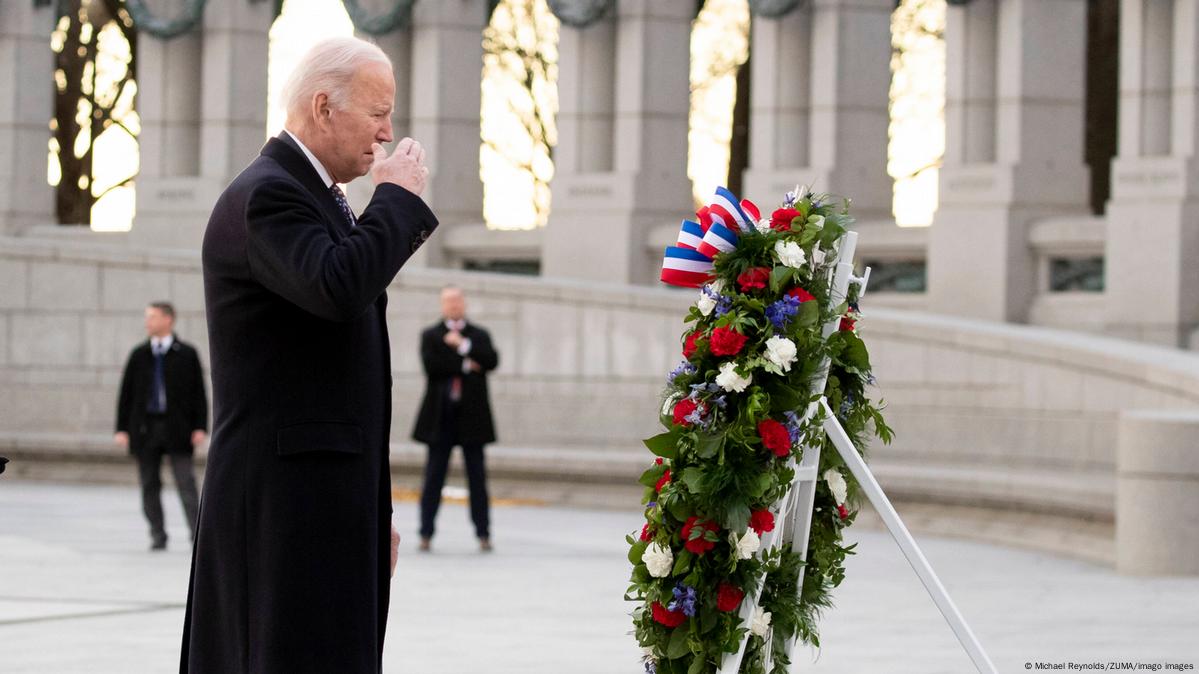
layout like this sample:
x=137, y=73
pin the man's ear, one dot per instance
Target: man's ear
x=321, y=109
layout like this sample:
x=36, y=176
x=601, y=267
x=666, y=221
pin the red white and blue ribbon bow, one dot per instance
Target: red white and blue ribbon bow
x=689, y=263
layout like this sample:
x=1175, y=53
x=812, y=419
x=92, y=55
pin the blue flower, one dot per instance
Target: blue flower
x=723, y=305
x=793, y=426
x=683, y=368
x=651, y=667
x=684, y=598
x=781, y=312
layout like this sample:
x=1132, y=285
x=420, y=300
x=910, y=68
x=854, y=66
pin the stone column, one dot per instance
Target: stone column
x=605, y=202
x=1157, y=493
x=446, y=67
x=1153, y=216
x=821, y=77
x=1014, y=149
x=202, y=100
x=27, y=80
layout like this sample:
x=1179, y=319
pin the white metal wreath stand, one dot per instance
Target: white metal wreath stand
x=793, y=513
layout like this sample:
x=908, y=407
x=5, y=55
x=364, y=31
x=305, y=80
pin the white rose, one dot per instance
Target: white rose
x=746, y=545
x=790, y=254
x=763, y=226
x=760, y=624
x=816, y=221
x=782, y=352
x=836, y=484
x=729, y=380
x=705, y=304
x=658, y=559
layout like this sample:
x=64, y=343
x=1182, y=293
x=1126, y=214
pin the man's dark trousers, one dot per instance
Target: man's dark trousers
x=149, y=468
x=436, y=468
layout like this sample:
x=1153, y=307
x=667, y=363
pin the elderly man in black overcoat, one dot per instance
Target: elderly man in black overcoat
x=295, y=547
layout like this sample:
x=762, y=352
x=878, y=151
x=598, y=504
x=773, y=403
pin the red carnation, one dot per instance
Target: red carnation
x=698, y=545
x=727, y=342
x=691, y=345
x=658, y=461
x=645, y=533
x=842, y=511
x=728, y=597
x=847, y=323
x=682, y=410
x=781, y=219
x=803, y=295
x=754, y=277
x=663, y=481
x=761, y=521
x=775, y=437
x=668, y=618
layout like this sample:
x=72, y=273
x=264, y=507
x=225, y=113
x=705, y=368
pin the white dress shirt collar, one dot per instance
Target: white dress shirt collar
x=458, y=325
x=316, y=163
x=161, y=343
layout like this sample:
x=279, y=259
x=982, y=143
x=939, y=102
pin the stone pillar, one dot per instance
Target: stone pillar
x=446, y=67
x=202, y=101
x=1157, y=493
x=1153, y=216
x=1014, y=149
x=606, y=201
x=27, y=80
x=821, y=79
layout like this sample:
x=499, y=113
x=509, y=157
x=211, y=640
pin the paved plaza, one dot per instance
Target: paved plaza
x=80, y=593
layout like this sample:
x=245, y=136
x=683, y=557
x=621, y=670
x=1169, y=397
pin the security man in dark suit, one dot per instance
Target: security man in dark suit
x=295, y=548
x=162, y=411
x=457, y=355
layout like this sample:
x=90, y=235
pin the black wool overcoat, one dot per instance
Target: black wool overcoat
x=442, y=364
x=187, y=404
x=290, y=572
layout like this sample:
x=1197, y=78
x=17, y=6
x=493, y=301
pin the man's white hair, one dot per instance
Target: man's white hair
x=328, y=67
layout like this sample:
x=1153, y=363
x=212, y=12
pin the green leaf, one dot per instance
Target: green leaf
x=650, y=477
x=693, y=477
x=682, y=563
x=784, y=398
x=761, y=485
x=698, y=666
x=637, y=551
x=665, y=444
x=678, y=644
x=736, y=516
x=779, y=277
x=709, y=444
x=854, y=351
x=809, y=314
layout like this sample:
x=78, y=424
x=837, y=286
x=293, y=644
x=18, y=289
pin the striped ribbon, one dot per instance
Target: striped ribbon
x=689, y=263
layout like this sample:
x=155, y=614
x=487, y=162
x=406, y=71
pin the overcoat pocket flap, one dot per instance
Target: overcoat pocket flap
x=320, y=436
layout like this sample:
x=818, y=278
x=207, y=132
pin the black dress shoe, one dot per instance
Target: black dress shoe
x=159, y=544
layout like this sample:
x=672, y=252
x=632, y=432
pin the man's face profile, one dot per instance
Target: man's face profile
x=363, y=119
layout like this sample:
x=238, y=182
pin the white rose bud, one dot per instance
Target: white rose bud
x=782, y=352
x=836, y=484
x=790, y=254
x=729, y=380
x=658, y=559
x=760, y=624
x=746, y=545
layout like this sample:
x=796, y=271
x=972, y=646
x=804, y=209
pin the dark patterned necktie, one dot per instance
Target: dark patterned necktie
x=344, y=205
x=158, y=387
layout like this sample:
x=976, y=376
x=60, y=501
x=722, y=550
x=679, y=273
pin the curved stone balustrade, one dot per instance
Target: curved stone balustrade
x=1002, y=431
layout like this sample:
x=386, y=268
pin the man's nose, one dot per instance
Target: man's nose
x=385, y=135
